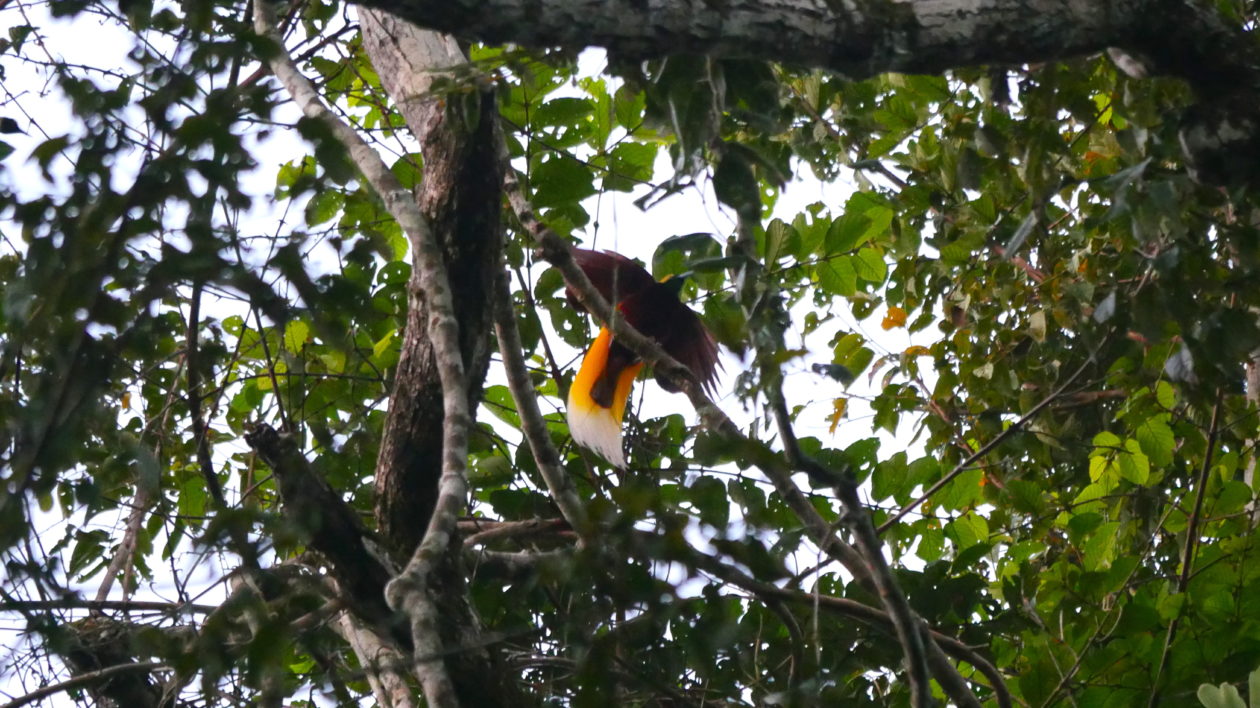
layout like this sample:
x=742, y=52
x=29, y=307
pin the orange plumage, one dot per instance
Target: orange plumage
x=597, y=398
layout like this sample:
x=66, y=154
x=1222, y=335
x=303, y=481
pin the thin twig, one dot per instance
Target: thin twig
x=120, y=605
x=1192, y=544
x=85, y=679
x=986, y=448
x=193, y=373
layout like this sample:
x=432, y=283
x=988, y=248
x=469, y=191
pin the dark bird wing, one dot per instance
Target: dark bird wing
x=694, y=347
x=613, y=275
x=656, y=312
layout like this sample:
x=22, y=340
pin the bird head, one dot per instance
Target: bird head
x=674, y=283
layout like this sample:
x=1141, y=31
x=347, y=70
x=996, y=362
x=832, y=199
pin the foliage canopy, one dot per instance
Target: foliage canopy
x=1027, y=333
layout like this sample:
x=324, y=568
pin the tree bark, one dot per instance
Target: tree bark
x=460, y=197
x=1181, y=38
x=454, y=116
x=332, y=528
x=858, y=39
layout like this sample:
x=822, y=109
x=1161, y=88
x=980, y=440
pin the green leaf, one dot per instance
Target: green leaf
x=838, y=275
x=1165, y=395
x=296, y=335
x=490, y=472
x=561, y=180
x=630, y=165
x=628, y=104
x=1134, y=464
x=708, y=496
x=846, y=233
x=1224, y=696
x=870, y=265
x=45, y=152
x=500, y=403
x=1157, y=439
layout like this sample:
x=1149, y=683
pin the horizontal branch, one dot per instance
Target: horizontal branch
x=25, y=606
x=85, y=679
x=855, y=39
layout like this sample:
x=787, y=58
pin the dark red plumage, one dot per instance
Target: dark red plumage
x=654, y=309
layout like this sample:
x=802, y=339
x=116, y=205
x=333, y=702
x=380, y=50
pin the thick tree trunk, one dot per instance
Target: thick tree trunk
x=460, y=195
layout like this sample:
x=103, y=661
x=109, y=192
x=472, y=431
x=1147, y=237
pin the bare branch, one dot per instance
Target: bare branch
x=85, y=679
x=532, y=425
x=331, y=526
x=407, y=592
x=120, y=605
x=382, y=663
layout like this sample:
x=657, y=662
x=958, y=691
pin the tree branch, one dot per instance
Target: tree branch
x=1179, y=38
x=381, y=661
x=532, y=424
x=97, y=605
x=855, y=39
x=408, y=591
x=331, y=527
x=85, y=679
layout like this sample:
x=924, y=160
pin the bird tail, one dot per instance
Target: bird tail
x=592, y=425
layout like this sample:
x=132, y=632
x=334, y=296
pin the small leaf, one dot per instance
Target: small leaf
x=870, y=265
x=1226, y=696
x=838, y=276
x=1037, y=326
x=839, y=406
x=895, y=317
x=296, y=334
x=1157, y=440
x=561, y=180
x=1165, y=394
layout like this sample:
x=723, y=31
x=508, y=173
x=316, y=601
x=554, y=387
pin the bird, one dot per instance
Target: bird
x=598, y=395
